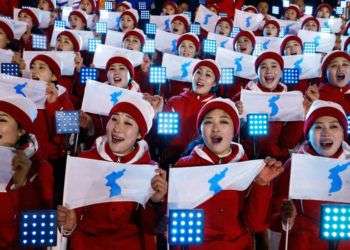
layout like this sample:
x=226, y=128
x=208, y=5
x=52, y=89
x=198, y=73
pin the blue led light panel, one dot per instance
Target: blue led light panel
x=188, y=14
x=222, y=14
x=168, y=123
x=309, y=48
x=209, y=46
x=11, y=69
x=348, y=117
x=339, y=10
x=87, y=73
x=275, y=10
x=309, y=10
x=67, y=122
x=38, y=228
x=157, y=75
x=234, y=32
x=92, y=43
x=257, y=124
x=195, y=28
x=227, y=76
x=108, y=5
x=186, y=226
x=60, y=24
x=144, y=14
x=149, y=46
x=290, y=76
x=335, y=222
x=39, y=41
x=151, y=28
x=142, y=6
x=101, y=27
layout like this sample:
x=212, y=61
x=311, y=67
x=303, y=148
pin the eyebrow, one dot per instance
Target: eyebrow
x=222, y=116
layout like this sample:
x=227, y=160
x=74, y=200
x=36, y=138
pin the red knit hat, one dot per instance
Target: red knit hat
x=295, y=8
x=125, y=4
x=31, y=14
x=250, y=8
x=53, y=65
x=139, y=109
x=133, y=14
x=210, y=64
x=135, y=32
x=78, y=14
x=247, y=34
x=214, y=6
x=225, y=19
x=7, y=29
x=329, y=57
x=324, y=5
x=72, y=38
x=269, y=55
x=321, y=108
x=123, y=60
x=181, y=19
x=290, y=38
x=224, y=104
x=23, y=110
x=173, y=4
x=191, y=37
x=273, y=22
x=311, y=18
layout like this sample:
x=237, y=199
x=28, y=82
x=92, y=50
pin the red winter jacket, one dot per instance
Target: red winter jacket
x=36, y=194
x=305, y=232
x=7, y=6
x=332, y=93
x=230, y=216
x=115, y=225
x=227, y=6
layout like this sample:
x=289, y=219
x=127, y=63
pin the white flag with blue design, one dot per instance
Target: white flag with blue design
x=19, y=27
x=6, y=56
x=90, y=182
x=324, y=41
x=114, y=38
x=247, y=21
x=104, y=52
x=309, y=65
x=164, y=22
x=90, y=19
x=111, y=18
x=6, y=155
x=191, y=186
x=331, y=24
x=32, y=89
x=243, y=64
x=166, y=41
x=105, y=95
x=268, y=43
x=221, y=41
x=319, y=178
x=44, y=17
x=206, y=18
x=285, y=106
x=343, y=40
x=179, y=68
x=289, y=27
x=84, y=35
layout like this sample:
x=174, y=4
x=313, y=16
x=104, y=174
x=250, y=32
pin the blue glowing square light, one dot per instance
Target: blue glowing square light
x=227, y=76
x=195, y=28
x=290, y=76
x=275, y=10
x=234, y=32
x=348, y=118
x=258, y=124
x=339, y=10
x=11, y=69
x=309, y=48
x=88, y=73
x=222, y=14
x=186, y=226
x=92, y=43
x=309, y=10
x=142, y=6
x=149, y=46
x=67, y=122
x=188, y=14
x=39, y=42
x=60, y=24
x=38, y=228
x=144, y=14
x=157, y=75
x=101, y=27
x=151, y=28
x=209, y=46
x=108, y=5
x=168, y=123
x=285, y=3
x=335, y=222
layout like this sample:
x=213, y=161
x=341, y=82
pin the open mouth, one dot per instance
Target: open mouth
x=175, y=30
x=116, y=79
x=293, y=53
x=326, y=144
x=117, y=139
x=221, y=32
x=216, y=139
x=35, y=78
x=269, y=78
x=200, y=85
x=340, y=76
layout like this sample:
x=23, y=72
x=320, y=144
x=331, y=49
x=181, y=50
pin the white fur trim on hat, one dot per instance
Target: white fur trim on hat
x=24, y=104
x=324, y=104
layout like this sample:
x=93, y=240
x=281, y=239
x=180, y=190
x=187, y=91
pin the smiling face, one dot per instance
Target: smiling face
x=310, y=25
x=223, y=28
x=64, y=43
x=132, y=42
x=323, y=13
x=203, y=80
x=9, y=130
x=126, y=23
x=85, y=5
x=187, y=49
x=178, y=27
x=122, y=133
x=76, y=23
x=292, y=48
x=244, y=45
x=217, y=131
x=291, y=15
x=118, y=75
x=39, y=70
x=270, y=30
x=326, y=136
x=338, y=72
x=4, y=41
x=269, y=73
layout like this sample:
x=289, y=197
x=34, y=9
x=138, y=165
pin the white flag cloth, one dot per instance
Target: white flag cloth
x=239, y=61
x=269, y=43
x=104, y=52
x=319, y=178
x=221, y=41
x=290, y=27
x=285, y=106
x=32, y=89
x=90, y=182
x=164, y=22
x=44, y=17
x=166, y=41
x=246, y=20
x=191, y=186
x=18, y=27
x=6, y=55
x=206, y=18
x=89, y=18
x=309, y=65
x=111, y=18
x=65, y=59
x=114, y=38
x=333, y=24
x=179, y=68
x=6, y=155
x=99, y=98
x=85, y=35
x=324, y=41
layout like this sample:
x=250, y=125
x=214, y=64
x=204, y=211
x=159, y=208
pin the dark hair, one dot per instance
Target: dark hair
x=198, y=141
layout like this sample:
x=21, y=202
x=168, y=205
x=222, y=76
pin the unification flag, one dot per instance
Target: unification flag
x=206, y=18
x=247, y=21
x=324, y=42
x=309, y=65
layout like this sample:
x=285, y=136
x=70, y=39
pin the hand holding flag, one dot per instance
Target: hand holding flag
x=272, y=169
x=159, y=185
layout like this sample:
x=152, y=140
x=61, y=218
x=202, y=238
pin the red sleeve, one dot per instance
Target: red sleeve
x=228, y=6
x=7, y=6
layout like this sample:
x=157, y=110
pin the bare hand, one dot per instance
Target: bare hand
x=288, y=212
x=20, y=165
x=78, y=61
x=159, y=185
x=239, y=106
x=156, y=101
x=311, y=94
x=51, y=93
x=146, y=64
x=86, y=121
x=272, y=169
x=66, y=218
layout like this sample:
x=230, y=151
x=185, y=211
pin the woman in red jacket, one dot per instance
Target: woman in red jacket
x=325, y=131
x=31, y=186
x=119, y=225
x=231, y=216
